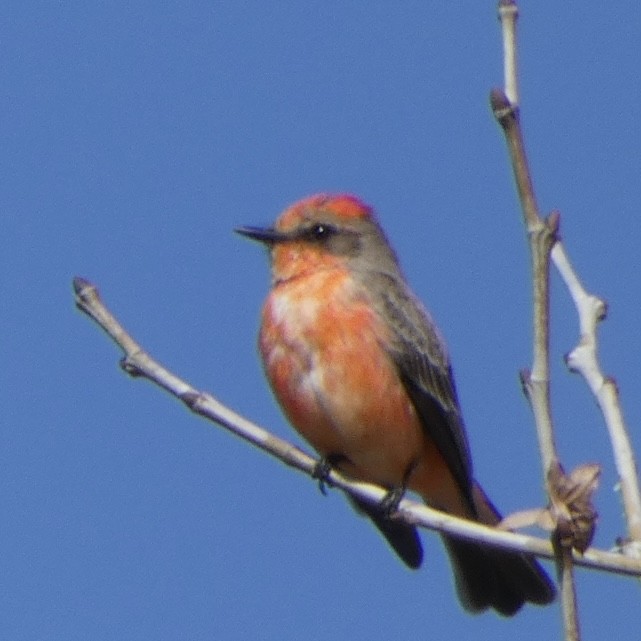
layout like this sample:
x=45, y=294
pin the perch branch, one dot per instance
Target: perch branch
x=137, y=362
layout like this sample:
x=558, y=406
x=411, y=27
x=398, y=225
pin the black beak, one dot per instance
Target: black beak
x=265, y=235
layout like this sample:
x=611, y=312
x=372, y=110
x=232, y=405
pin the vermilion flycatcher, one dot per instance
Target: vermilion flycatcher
x=362, y=372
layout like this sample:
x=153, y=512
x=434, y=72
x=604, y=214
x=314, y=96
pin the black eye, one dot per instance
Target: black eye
x=321, y=231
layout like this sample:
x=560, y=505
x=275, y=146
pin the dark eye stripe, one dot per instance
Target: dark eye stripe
x=321, y=231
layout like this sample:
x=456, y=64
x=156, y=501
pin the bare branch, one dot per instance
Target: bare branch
x=137, y=362
x=565, y=568
x=542, y=237
x=583, y=359
x=508, y=15
x=507, y=115
x=537, y=382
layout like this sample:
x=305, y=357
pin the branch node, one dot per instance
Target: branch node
x=192, y=399
x=128, y=364
x=628, y=547
x=572, y=358
x=504, y=111
x=601, y=312
x=553, y=222
x=571, y=505
x=544, y=234
x=525, y=377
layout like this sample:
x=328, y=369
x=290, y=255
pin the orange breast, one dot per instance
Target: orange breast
x=323, y=351
x=322, y=348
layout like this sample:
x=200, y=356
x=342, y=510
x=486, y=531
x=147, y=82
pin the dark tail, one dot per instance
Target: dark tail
x=402, y=536
x=487, y=577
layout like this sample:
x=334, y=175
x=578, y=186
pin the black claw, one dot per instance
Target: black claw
x=322, y=470
x=389, y=504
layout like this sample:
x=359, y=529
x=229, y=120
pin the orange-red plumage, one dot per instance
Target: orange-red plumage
x=362, y=373
x=348, y=399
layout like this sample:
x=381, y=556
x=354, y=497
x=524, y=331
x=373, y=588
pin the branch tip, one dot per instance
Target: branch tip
x=508, y=10
x=85, y=292
x=80, y=283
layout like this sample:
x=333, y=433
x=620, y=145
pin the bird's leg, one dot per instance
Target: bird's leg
x=324, y=467
x=390, y=502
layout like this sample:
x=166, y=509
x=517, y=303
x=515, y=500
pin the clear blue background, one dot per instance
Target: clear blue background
x=135, y=136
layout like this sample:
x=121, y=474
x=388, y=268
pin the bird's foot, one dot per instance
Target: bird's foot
x=389, y=504
x=322, y=470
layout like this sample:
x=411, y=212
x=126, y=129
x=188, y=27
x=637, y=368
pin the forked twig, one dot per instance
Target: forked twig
x=583, y=358
x=571, y=510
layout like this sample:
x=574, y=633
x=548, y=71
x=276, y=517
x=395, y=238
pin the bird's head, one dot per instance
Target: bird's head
x=325, y=232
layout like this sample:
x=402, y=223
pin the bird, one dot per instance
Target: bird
x=362, y=372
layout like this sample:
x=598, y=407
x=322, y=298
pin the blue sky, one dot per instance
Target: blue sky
x=135, y=137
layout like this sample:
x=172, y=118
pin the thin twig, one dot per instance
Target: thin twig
x=508, y=15
x=536, y=383
x=568, y=590
x=583, y=359
x=542, y=237
x=137, y=362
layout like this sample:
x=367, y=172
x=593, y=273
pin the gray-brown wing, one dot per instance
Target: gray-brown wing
x=419, y=353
